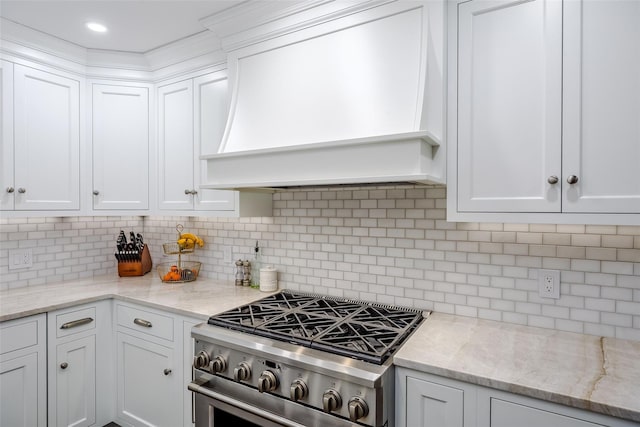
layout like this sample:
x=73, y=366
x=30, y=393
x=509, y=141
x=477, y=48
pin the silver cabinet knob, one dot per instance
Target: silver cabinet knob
x=167, y=371
x=10, y=190
x=96, y=192
x=22, y=190
x=572, y=179
x=331, y=401
x=552, y=179
x=194, y=192
x=358, y=408
x=64, y=365
x=187, y=191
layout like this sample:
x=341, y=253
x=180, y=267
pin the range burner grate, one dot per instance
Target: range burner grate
x=361, y=330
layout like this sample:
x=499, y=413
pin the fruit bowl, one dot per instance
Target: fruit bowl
x=185, y=271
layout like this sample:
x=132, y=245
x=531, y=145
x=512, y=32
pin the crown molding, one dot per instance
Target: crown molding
x=253, y=22
x=196, y=52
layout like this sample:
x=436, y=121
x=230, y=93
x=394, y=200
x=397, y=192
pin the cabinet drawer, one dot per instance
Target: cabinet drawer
x=145, y=321
x=19, y=334
x=505, y=413
x=75, y=321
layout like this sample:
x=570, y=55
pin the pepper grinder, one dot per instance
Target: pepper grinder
x=239, y=273
x=246, y=280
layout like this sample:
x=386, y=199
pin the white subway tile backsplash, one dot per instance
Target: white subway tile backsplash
x=386, y=244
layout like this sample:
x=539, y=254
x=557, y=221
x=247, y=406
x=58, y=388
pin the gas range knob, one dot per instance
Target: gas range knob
x=242, y=372
x=267, y=382
x=331, y=400
x=358, y=408
x=299, y=390
x=218, y=364
x=201, y=360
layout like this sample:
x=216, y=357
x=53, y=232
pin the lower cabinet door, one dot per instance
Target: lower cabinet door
x=74, y=401
x=149, y=391
x=19, y=403
x=507, y=414
x=433, y=405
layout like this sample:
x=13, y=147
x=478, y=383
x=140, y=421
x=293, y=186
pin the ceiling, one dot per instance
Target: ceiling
x=134, y=25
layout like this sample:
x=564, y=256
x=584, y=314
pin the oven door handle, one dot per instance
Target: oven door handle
x=244, y=406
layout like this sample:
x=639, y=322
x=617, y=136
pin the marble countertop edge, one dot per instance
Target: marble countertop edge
x=198, y=299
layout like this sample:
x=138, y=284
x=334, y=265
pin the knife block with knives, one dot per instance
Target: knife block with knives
x=134, y=258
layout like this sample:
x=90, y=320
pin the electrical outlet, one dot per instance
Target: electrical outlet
x=549, y=283
x=20, y=258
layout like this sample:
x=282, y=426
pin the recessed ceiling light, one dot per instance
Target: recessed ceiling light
x=98, y=28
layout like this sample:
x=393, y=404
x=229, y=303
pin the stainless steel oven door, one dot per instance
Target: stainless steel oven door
x=222, y=403
x=218, y=412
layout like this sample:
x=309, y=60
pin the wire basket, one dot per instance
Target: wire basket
x=173, y=248
x=185, y=271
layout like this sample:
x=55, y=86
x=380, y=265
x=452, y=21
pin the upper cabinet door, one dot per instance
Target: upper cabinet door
x=47, y=140
x=7, y=186
x=210, y=106
x=509, y=106
x=175, y=146
x=602, y=106
x=120, y=135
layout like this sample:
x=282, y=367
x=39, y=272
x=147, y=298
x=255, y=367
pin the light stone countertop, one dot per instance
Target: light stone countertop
x=199, y=299
x=584, y=371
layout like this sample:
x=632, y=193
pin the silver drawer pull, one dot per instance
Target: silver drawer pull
x=142, y=322
x=75, y=323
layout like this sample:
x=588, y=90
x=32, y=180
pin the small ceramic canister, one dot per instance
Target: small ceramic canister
x=268, y=279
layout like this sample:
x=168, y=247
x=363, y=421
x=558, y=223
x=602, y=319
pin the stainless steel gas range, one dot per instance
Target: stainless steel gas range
x=294, y=359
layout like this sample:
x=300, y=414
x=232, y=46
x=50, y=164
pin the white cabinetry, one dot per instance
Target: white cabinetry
x=509, y=125
x=429, y=400
x=502, y=409
x=422, y=402
x=7, y=186
x=120, y=137
x=80, y=366
x=148, y=393
x=46, y=141
x=151, y=369
x=23, y=367
x=191, y=120
x=544, y=103
x=440, y=405
x=601, y=106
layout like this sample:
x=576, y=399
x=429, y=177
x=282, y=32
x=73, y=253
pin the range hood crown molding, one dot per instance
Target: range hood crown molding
x=387, y=159
x=348, y=96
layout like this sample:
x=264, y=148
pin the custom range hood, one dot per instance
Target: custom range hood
x=330, y=93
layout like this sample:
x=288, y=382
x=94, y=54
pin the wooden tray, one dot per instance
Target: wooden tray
x=136, y=268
